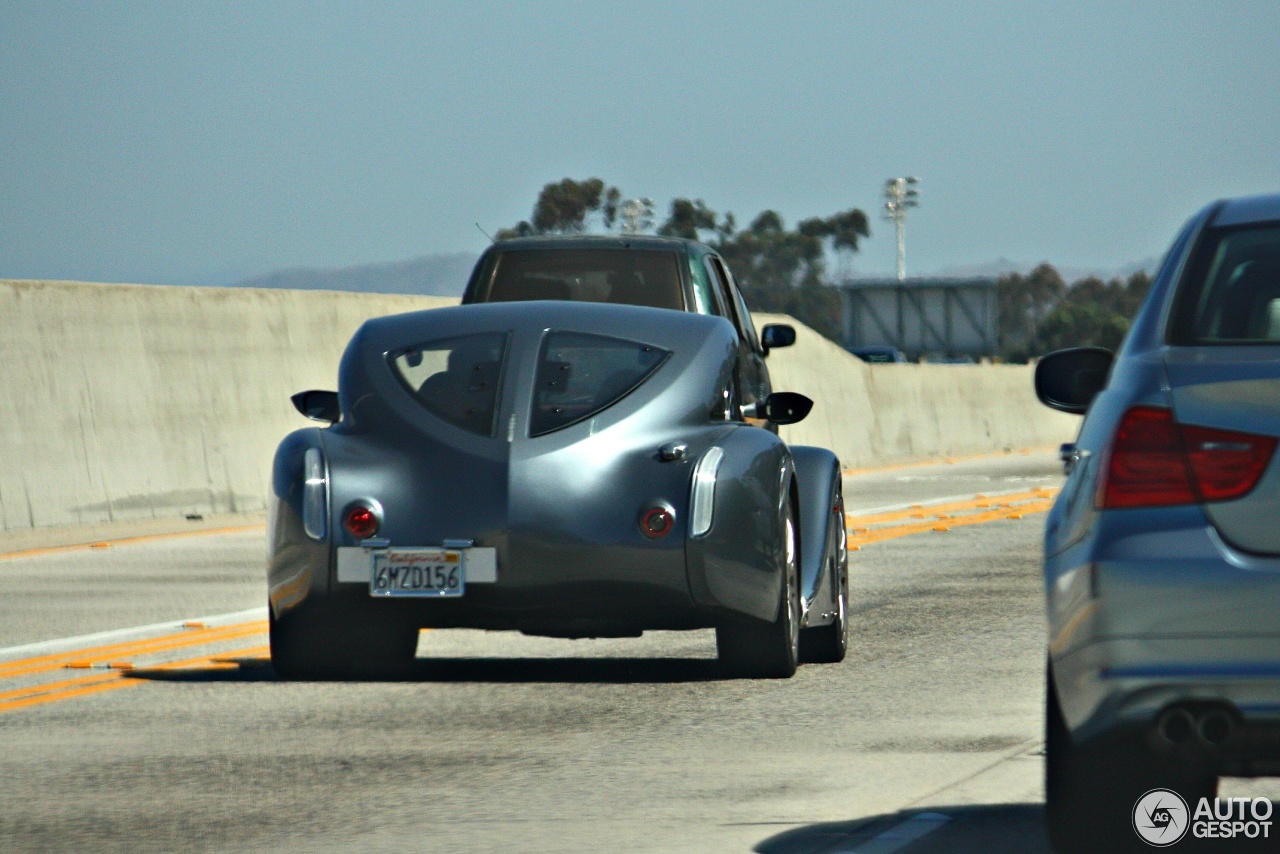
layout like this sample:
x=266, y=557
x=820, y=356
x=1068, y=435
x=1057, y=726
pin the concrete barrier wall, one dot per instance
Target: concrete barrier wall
x=140, y=401
x=128, y=402
x=877, y=414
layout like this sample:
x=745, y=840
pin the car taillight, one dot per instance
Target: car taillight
x=1155, y=461
x=361, y=522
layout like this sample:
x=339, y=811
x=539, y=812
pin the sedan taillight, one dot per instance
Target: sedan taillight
x=1155, y=461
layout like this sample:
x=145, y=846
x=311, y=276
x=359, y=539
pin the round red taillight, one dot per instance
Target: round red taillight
x=361, y=522
x=657, y=522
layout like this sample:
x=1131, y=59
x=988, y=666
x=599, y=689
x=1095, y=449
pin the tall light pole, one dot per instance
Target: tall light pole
x=900, y=194
x=637, y=215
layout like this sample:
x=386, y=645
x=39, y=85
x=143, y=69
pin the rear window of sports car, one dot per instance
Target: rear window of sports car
x=456, y=379
x=580, y=375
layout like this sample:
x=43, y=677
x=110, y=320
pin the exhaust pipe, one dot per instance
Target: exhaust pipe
x=1176, y=726
x=1208, y=727
x=1215, y=727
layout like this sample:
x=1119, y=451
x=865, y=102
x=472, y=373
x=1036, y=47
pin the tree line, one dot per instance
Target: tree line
x=778, y=269
x=781, y=269
x=1039, y=312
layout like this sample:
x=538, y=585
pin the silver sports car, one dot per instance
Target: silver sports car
x=557, y=468
x=1162, y=553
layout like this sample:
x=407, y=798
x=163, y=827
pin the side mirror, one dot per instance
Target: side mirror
x=1069, y=380
x=318, y=405
x=777, y=335
x=786, y=407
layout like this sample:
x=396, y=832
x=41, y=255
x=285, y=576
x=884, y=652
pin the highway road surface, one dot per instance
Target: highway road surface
x=139, y=711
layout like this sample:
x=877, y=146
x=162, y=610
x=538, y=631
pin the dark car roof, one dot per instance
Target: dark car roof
x=599, y=241
x=1247, y=209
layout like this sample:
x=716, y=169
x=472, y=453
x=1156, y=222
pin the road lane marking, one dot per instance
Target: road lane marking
x=871, y=527
x=126, y=541
x=133, y=632
x=950, y=504
x=900, y=835
x=164, y=643
x=67, y=689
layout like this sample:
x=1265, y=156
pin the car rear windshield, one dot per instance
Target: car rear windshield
x=627, y=276
x=456, y=379
x=579, y=375
x=1230, y=292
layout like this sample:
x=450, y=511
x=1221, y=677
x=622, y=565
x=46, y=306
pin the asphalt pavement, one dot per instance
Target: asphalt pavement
x=926, y=739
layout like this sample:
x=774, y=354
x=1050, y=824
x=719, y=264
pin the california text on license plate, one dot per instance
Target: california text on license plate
x=417, y=572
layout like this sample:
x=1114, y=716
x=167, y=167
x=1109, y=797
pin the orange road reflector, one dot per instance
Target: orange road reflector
x=120, y=665
x=78, y=665
x=194, y=624
x=99, y=545
x=942, y=529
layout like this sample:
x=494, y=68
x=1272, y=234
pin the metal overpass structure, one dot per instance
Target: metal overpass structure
x=930, y=317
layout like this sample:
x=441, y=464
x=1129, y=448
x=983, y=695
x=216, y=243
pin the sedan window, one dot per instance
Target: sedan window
x=1230, y=293
x=627, y=276
x=579, y=375
x=456, y=379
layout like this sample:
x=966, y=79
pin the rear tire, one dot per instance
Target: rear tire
x=828, y=644
x=311, y=643
x=1091, y=789
x=755, y=649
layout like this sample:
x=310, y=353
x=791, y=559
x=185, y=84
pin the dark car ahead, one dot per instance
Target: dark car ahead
x=658, y=272
x=557, y=468
x=1162, y=552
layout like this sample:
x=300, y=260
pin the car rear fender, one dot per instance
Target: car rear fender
x=297, y=564
x=737, y=564
x=818, y=486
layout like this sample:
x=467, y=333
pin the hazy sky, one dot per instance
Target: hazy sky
x=204, y=142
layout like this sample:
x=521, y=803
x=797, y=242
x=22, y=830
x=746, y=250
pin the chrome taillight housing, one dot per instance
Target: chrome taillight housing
x=315, y=494
x=703, y=500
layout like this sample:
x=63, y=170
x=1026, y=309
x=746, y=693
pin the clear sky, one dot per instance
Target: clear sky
x=204, y=142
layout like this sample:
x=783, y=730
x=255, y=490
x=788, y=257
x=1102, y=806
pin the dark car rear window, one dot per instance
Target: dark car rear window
x=579, y=375
x=1230, y=292
x=456, y=379
x=627, y=276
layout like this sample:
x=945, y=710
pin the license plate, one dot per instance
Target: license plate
x=417, y=572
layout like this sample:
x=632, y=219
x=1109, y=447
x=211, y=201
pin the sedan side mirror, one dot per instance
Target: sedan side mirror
x=318, y=405
x=786, y=407
x=777, y=335
x=1069, y=380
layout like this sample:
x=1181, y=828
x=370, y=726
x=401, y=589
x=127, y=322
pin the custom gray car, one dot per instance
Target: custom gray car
x=555, y=468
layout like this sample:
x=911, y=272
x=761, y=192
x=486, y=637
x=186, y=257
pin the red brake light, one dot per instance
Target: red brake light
x=361, y=522
x=1226, y=464
x=1155, y=461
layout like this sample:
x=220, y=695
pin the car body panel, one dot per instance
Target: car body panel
x=1154, y=606
x=562, y=509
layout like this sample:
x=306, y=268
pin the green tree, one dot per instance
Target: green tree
x=1080, y=324
x=562, y=208
x=1022, y=302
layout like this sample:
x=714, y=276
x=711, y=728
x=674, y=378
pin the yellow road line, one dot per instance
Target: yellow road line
x=124, y=541
x=978, y=502
x=856, y=541
x=191, y=637
x=70, y=688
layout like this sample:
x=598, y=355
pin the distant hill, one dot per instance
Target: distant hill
x=430, y=275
